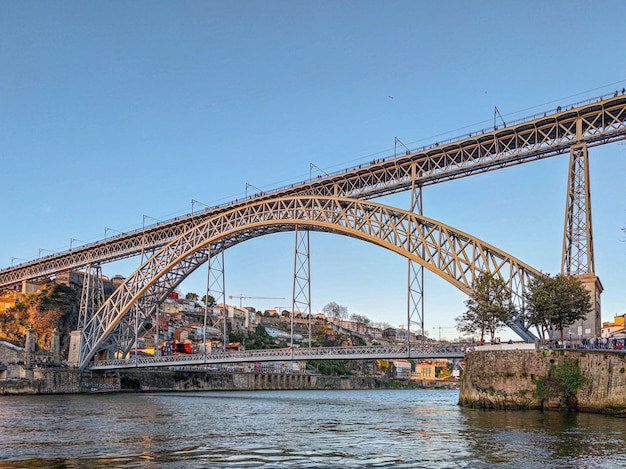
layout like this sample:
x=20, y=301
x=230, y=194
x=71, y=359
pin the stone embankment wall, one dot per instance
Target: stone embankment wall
x=58, y=381
x=217, y=381
x=506, y=379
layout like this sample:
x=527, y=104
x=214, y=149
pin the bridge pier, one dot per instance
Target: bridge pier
x=591, y=326
x=76, y=341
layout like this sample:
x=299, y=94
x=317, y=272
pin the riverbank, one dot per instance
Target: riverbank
x=64, y=381
x=515, y=379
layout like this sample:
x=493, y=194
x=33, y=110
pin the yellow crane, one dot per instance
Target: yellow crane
x=241, y=297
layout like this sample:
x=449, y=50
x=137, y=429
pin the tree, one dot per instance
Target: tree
x=192, y=296
x=489, y=307
x=335, y=311
x=360, y=319
x=208, y=300
x=556, y=302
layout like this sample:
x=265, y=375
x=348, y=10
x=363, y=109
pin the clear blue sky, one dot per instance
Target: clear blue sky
x=110, y=111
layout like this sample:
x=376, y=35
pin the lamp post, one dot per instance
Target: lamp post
x=16, y=258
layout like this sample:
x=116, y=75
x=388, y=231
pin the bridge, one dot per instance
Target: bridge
x=389, y=352
x=340, y=203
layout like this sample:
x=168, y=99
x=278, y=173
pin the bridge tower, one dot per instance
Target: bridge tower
x=216, y=286
x=415, y=293
x=577, y=258
x=91, y=298
x=301, y=295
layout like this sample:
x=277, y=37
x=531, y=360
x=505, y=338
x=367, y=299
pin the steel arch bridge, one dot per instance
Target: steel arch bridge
x=455, y=256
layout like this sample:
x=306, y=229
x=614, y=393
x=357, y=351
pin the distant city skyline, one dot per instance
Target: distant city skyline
x=118, y=115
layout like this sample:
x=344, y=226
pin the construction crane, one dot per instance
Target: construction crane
x=241, y=297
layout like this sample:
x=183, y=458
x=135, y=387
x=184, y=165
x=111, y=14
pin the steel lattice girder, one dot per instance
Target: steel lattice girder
x=453, y=255
x=593, y=124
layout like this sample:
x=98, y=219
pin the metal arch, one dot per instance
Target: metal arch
x=453, y=255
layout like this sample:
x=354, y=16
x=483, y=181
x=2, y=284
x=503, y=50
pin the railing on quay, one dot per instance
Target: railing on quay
x=288, y=354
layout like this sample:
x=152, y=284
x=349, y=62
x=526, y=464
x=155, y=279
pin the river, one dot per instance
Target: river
x=272, y=429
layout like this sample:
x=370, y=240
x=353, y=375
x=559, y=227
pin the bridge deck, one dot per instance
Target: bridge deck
x=296, y=354
x=596, y=122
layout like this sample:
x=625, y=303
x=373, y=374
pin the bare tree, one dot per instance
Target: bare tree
x=335, y=311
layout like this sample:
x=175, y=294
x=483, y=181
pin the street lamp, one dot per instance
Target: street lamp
x=16, y=258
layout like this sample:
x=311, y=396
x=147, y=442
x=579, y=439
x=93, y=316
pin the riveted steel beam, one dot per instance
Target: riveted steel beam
x=596, y=122
x=455, y=256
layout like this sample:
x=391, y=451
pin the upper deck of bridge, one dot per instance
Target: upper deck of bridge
x=592, y=122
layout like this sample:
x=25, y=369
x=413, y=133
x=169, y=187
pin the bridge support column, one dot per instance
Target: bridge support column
x=301, y=295
x=92, y=295
x=216, y=286
x=76, y=342
x=591, y=326
x=415, y=288
x=577, y=255
x=578, y=258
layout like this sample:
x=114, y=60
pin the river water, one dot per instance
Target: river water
x=377, y=428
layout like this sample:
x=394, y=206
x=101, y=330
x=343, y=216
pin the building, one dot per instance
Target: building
x=7, y=301
x=429, y=369
x=617, y=326
x=401, y=369
x=76, y=279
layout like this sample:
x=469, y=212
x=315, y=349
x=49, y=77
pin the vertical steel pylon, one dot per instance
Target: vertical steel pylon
x=216, y=287
x=577, y=236
x=415, y=283
x=92, y=295
x=301, y=294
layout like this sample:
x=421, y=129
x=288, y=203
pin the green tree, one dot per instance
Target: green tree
x=556, y=303
x=489, y=307
x=192, y=296
x=208, y=300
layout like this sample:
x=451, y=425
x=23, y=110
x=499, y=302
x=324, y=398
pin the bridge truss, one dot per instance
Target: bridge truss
x=447, y=252
x=302, y=354
x=455, y=256
x=597, y=122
